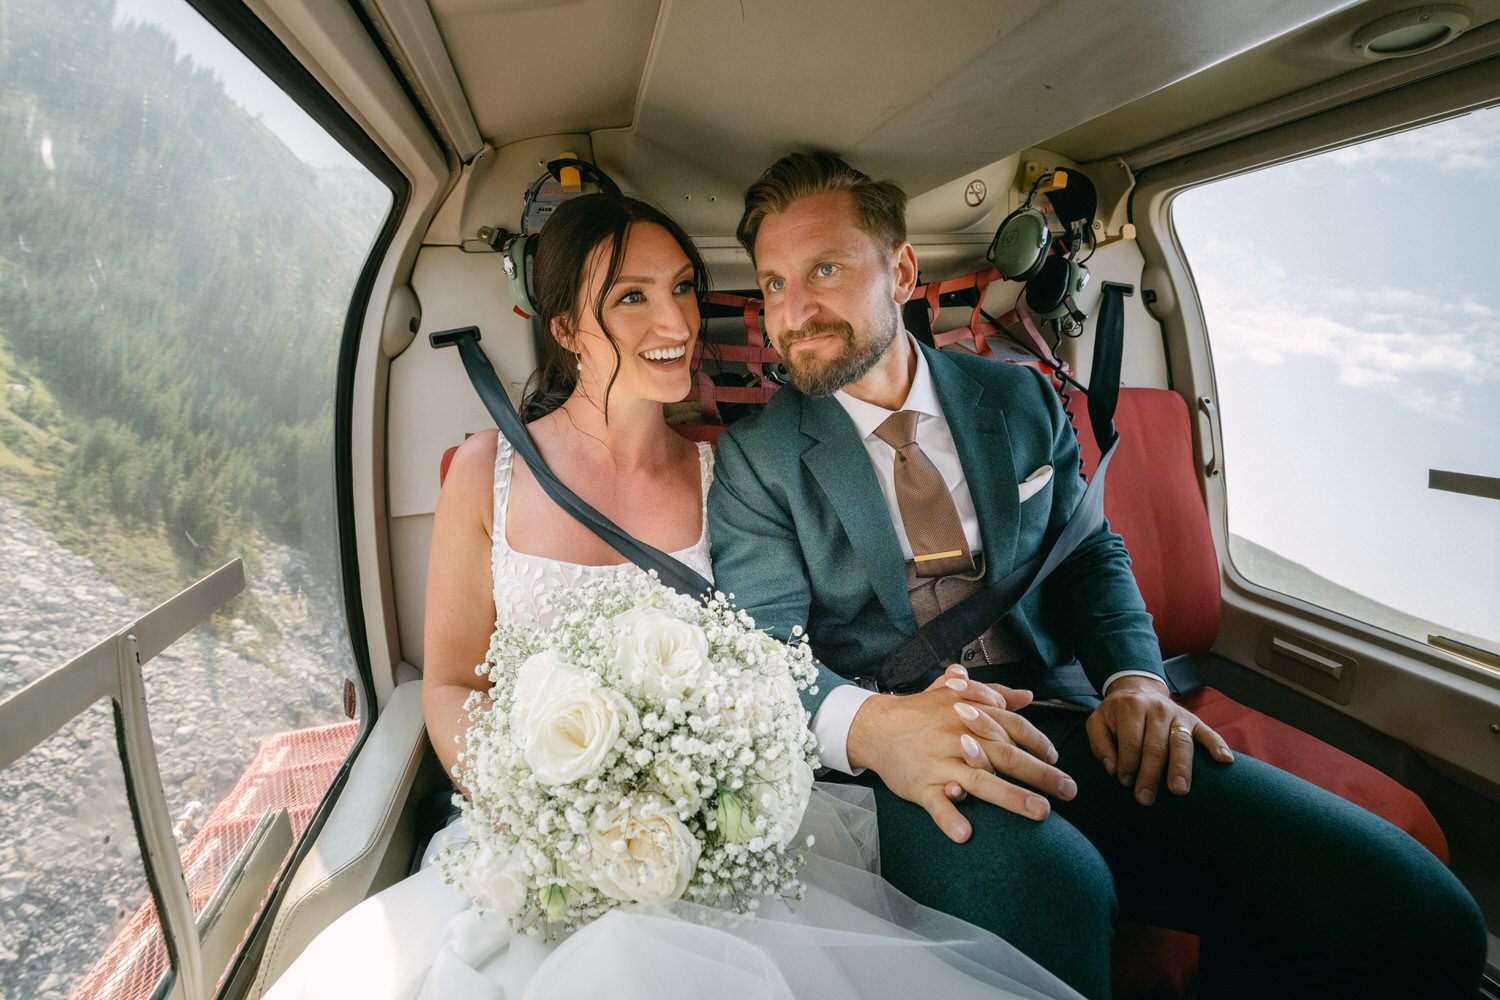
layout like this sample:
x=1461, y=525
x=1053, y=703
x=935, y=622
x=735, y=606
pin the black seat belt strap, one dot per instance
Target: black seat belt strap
x=669, y=570
x=920, y=658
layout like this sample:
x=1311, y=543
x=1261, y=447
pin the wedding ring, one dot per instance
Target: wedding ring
x=1180, y=729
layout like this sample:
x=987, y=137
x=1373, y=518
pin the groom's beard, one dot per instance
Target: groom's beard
x=813, y=377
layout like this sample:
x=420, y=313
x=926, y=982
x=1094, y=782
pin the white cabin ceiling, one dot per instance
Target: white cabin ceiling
x=719, y=88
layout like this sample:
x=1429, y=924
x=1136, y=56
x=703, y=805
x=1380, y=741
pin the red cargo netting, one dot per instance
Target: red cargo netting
x=292, y=771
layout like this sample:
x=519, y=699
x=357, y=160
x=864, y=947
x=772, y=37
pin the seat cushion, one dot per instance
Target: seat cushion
x=1152, y=500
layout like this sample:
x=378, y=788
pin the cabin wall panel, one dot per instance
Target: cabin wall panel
x=1144, y=362
x=431, y=406
x=1417, y=699
x=495, y=184
x=411, y=538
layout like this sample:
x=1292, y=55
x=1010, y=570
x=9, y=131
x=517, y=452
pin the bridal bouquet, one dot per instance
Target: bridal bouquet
x=646, y=748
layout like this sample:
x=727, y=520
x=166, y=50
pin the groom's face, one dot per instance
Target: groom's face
x=833, y=294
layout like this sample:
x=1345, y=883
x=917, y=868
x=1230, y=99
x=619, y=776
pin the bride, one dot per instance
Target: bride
x=618, y=287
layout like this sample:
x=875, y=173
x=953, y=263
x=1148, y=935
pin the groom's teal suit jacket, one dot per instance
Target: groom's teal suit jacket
x=802, y=537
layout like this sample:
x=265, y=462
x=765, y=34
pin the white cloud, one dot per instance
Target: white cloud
x=1383, y=339
x=1358, y=375
x=1469, y=144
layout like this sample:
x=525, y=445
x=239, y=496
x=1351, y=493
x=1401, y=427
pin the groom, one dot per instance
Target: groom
x=895, y=480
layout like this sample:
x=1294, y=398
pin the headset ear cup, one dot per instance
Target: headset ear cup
x=520, y=261
x=1048, y=293
x=1020, y=246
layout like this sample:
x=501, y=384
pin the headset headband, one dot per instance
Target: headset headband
x=586, y=170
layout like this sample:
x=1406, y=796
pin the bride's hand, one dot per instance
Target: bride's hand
x=914, y=742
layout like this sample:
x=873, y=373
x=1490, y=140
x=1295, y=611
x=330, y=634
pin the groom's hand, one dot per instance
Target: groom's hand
x=916, y=743
x=1139, y=733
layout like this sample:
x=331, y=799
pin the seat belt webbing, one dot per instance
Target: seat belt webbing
x=669, y=570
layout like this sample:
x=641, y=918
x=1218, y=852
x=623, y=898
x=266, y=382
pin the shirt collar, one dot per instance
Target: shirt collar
x=922, y=397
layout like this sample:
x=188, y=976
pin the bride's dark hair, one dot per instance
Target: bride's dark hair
x=563, y=251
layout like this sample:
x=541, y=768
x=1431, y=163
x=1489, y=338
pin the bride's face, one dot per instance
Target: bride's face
x=651, y=313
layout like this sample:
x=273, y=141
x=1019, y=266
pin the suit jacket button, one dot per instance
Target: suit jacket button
x=969, y=655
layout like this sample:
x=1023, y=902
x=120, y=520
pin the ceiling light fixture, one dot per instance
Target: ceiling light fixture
x=1409, y=32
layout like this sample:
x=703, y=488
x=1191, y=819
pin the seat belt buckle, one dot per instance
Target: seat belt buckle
x=447, y=338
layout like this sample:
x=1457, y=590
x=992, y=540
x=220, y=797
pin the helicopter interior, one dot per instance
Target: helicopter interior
x=973, y=108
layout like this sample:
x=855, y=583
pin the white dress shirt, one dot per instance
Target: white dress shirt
x=836, y=713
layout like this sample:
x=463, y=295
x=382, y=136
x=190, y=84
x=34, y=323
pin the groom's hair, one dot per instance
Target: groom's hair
x=879, y=206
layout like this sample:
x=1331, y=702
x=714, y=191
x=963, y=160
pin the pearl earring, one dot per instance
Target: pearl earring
x=580, y=361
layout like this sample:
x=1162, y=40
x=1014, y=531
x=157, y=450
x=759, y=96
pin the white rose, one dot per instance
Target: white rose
x=663, y=657
x=497, y=882
x=567, y=721
x=642, y=854
x=779, y=791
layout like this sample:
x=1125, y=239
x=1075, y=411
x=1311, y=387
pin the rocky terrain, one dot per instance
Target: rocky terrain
x=70, y=871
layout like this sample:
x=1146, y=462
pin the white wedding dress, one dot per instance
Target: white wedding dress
x=851, y=936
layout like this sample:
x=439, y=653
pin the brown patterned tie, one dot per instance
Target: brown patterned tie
x=932, y=526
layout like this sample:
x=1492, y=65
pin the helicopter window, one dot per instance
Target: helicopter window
x=1354, y=324
x=178, y=246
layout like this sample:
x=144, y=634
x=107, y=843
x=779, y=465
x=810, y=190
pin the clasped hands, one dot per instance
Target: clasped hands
x=958, y=737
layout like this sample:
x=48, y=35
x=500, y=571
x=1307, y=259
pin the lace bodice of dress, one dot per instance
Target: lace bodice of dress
x=523, y=582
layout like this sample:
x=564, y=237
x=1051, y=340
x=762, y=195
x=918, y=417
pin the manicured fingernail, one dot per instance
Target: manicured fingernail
x=959, y=831
x=970, y=745
x=1179, y=784
x=1036, y=806
x=960, y=671
x=966, y=711
x=1067, y=789
x=956, y=683
x=1145, y=796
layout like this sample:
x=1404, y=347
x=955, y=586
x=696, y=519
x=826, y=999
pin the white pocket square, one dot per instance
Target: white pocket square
x=1033, y=483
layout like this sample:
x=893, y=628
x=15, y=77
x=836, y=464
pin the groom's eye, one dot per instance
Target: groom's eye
x=827, y=270
x=774, y=284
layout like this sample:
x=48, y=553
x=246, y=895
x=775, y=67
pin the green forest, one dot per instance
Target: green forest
x=173, y=283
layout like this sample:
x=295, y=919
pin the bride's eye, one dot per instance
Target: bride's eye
x=684, y=287
x=630, y=298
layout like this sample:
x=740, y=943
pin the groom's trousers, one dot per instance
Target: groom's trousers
x=1294, y=891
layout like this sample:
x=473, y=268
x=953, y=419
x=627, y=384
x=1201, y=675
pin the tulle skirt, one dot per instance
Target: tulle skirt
x=851, y=936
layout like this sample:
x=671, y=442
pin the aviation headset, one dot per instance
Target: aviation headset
x=1020, y=246
x=518, y=253
x=1053, y=286
x=1052, y=293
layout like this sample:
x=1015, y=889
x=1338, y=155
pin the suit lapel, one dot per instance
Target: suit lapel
x=977, y=421
x=838, y=461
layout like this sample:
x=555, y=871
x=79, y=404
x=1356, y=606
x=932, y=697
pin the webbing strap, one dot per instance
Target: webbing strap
x=754, y=354
x=919, y=659
x=670, y=571
x=979, y=330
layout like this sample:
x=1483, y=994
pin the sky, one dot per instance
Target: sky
x=243, y=81
x=1354, y=318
